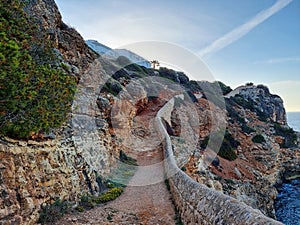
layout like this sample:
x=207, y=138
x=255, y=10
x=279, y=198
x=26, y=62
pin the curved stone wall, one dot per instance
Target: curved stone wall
x=196, y=203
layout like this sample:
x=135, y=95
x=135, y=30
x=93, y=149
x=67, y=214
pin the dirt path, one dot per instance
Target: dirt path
x=146, y=195
x=146, y=199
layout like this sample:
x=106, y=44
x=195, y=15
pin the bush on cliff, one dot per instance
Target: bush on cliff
x=225, y=89
x=228, y=146
x=248, y=103
x=49, y=214
x=258, y=139
x=289, y=135
x=34, y=95
x=227, y=149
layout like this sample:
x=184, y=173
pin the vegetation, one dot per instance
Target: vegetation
x=204, y=143
x=123, y=61
x=126, y=159
x=251, y=105
x=89, y=201
x=35, y=96
x=227, y=149
x=113, y=87
x=246, y=128
x=228, y=146
x=155, y=64
x=168, y=74
x=110, y=195
x=287, y=133
x=167, y=183
x=52, y=213
x=225, y=89
x=194, y=86
x=86, y=202
x=140, y=71
x=258, y=139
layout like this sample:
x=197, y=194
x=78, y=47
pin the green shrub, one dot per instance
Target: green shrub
x=123, y=61
x=204, y=143
x=227, y=149
x=225, y=89
x=79, y=208
x=167, y=183
x=127, y=159
x=110, y=195
x=287, y=133
x=87, y=202
x=227, y=152
x=34, y=95
x=109, y=217
x=90, y=201
x=258, y=139
x=249, y=104
x=51, y=213
x=113, y=87
x=247, y=129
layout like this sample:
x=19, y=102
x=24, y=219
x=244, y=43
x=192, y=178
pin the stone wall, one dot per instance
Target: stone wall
x=36, y=173
x=65, y=167
x=196, y=203
x=33, y=173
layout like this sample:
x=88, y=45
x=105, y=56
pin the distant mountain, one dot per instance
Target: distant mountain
x=98, y=47
x=115, y=53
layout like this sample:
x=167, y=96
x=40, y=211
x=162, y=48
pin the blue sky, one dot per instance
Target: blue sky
x=241, y=41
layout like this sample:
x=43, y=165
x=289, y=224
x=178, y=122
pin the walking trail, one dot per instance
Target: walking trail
x=146, y=199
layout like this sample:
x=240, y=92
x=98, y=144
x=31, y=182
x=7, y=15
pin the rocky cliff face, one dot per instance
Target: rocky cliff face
x=71, y=162
x=262, y=101
x=257, y=121
x=62, y=166
x=67, y=41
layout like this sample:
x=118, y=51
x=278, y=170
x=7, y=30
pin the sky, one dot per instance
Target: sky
x=240, y=41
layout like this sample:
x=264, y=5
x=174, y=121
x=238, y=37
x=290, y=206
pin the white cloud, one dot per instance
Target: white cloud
x=242, y=30
x=279, y=60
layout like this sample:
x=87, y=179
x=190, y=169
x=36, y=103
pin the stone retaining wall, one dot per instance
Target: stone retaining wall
x=196, y=203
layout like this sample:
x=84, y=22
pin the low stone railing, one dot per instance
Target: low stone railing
x=196, y=203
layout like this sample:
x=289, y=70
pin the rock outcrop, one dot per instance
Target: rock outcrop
x=64, y=165
x=71, y=161
x=260, y=165
x=66, y=40
x=263, y=101
x=196, y=203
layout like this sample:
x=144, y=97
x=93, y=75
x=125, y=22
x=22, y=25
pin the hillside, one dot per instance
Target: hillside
x=115, y=53
x=78, y=129
x=257, y=152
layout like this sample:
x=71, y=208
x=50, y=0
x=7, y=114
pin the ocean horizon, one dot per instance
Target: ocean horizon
x=293, y=119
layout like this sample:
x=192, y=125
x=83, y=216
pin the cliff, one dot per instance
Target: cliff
x=69, y=162
x=263, y=102
x=37, y=172
x=257, y=150
x=66, y=40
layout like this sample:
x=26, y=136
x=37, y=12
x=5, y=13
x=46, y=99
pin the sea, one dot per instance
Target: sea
x=293, y=119
x=287, y=204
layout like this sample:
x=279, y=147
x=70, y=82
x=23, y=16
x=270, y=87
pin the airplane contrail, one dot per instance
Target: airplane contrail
x=240, y=31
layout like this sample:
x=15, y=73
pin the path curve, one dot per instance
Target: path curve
x=139, y=204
